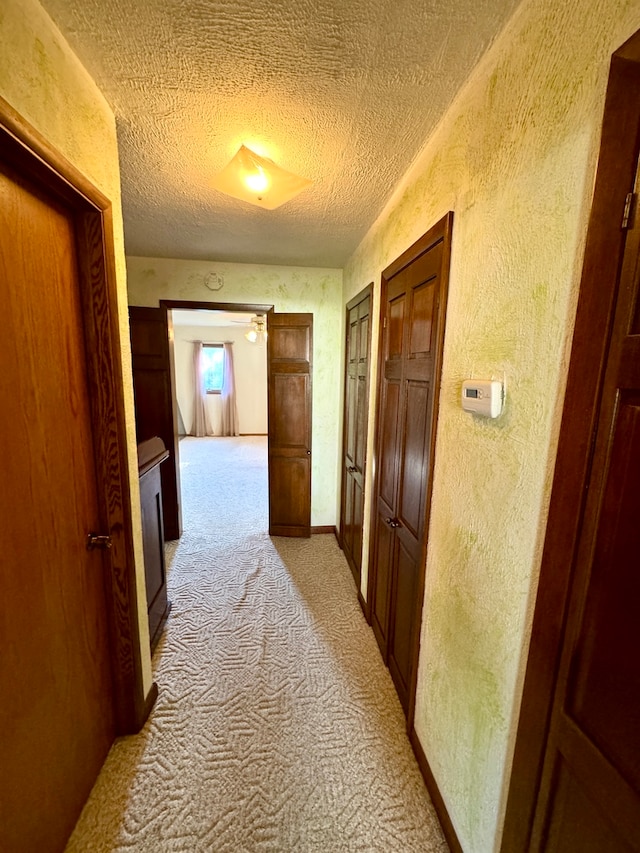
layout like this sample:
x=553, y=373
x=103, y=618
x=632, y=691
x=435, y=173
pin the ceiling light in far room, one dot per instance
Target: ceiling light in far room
x=258, y=180
x=257, y=334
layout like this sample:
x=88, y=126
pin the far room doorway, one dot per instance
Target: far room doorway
x=210, y=331
x=220, y=367
x=287, y=379
x=167, y=343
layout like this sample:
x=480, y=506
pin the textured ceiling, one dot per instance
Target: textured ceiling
x=344, y=92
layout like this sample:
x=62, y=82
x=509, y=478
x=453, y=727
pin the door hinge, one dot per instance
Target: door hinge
x=628, y=206
x=95, y=540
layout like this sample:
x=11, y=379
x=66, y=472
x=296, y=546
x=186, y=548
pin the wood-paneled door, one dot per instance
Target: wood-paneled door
x=69, y=673
x=155, y=401
x=576, y=772
x=412, y=314
x=289, y=366
x=354, y=440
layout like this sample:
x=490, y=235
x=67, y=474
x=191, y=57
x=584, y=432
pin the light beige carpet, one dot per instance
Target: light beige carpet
x=277, y=727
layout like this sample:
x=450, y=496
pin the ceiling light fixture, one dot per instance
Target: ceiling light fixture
x=258, y=180
x=257, y=334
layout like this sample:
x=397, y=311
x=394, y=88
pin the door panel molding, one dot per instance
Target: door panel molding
x=619, y=149
x=289, y=376
x=29, y=153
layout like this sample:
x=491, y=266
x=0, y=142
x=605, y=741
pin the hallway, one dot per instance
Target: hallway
x=277, y=727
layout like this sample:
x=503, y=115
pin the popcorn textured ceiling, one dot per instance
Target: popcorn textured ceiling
x=344, y=92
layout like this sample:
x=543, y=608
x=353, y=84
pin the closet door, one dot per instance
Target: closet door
x=413, y=303
x=354, y=448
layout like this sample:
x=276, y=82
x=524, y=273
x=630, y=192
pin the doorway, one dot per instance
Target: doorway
x=214, y=329
x=289, y=373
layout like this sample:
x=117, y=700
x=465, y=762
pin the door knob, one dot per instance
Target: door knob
x=392, y=522
x=95, y=540
x=352, y=469
x=308, y=453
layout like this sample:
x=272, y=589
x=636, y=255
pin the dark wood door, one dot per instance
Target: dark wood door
x=154, y=390
x=289, y=365
x=413, y=306
x=590, y=793
x=354, y=452
x=56, y=712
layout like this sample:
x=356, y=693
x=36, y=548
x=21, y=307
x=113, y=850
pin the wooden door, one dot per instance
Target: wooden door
x=56, y=713
x=590, y=793
x=154, y=390
x=414, y=290
x=289, y=365
x=354, y=441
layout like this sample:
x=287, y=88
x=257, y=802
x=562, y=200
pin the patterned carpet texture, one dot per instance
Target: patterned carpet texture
x=277, y=727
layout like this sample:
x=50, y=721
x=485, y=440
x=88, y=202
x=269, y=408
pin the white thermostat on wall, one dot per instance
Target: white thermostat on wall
x=482, y=397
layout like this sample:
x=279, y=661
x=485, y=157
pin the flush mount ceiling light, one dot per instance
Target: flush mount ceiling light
x=258, y=180
x=257, y=334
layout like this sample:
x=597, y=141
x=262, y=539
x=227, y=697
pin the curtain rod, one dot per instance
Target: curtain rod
x=210, y=343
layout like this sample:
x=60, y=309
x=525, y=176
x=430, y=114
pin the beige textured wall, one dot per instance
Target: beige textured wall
x=289, y=289
x=514, y=158
x=42, y=79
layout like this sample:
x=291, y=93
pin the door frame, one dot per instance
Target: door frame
x=352, y=303
x=32, y=156
x=441, y=231
x=167, y=305
x=619, y=151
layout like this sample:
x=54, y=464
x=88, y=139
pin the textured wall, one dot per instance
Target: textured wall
x=250, y=369
x=514, y=157
x=288, y=289
x=42, y=79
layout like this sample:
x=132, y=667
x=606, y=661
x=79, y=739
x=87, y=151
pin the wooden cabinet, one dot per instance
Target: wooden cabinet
x=151, y=454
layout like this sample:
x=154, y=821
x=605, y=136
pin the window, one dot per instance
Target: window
x=212, y=367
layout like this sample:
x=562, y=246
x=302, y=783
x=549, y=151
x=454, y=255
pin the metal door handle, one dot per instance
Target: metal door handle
x=96, y=540
x=392, y=522
x=308, y=453
x=352, y=469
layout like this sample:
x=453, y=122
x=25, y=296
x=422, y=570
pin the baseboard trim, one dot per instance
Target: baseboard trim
x=148, y=704
x=323, y=528
x=365, y=607
x=434, y=793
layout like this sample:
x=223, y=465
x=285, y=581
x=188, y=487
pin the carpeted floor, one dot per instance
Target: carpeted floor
x=277, y=727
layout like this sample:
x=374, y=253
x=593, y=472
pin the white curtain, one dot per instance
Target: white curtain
x=229, y=407
x=200, y=424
